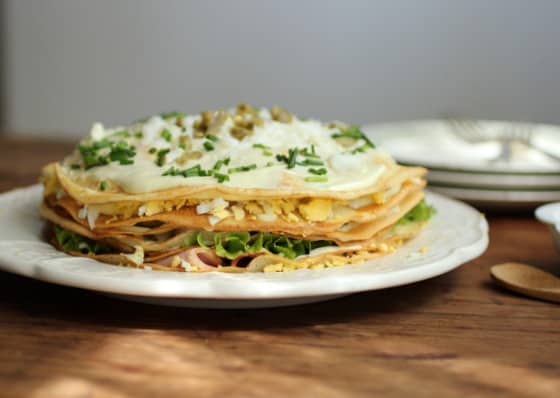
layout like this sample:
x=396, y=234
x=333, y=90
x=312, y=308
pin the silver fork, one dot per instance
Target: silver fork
x=468, y=130
x=471, y=131
x=523, y=133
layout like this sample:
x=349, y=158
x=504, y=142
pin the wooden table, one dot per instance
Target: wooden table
x=455, y=335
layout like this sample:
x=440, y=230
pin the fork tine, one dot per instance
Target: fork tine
x=528, y=133
x=466, y=129
x=524, y=133
x=521, y=132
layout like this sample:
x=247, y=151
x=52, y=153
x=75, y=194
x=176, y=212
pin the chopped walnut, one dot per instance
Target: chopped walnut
x=186, y=156
x=280, y=115
x=240, y=132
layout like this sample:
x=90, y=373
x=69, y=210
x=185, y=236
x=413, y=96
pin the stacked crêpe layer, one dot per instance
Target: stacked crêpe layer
x=239, y=190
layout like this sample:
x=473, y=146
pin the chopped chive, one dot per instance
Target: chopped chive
x=265, y=149
x=212, y=137
x=311, y=162
x=290, y=160
x=166, y=135
x=292, y=154
x=195, y=171
x=120, y=152
x=139, y=135
x=171, y=172
x=161, y=156
x=355, y=133
x=218, y=165
x=360, y=149
x=242, y=168
x=309, y=154
x=171, y=115
x=226, y=161
x=319, y=172
x=269, y=164
x=221, y=177
x=183, y=146
x=75, y=166
x=152, y=150
x=316, y=179
x=122, y=133
x=103, y=185
x=208, y=146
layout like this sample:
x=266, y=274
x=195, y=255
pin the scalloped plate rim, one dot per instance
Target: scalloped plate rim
x=273, y=288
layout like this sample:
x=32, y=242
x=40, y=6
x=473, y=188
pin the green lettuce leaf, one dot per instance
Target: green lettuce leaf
x=191, y=239
x=419, y=213
x=205, y=239
x=291, y=247
x=71, y=241
x=255, y=244
x=231, y=245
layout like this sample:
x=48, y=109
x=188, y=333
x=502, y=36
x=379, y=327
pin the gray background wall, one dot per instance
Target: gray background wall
x=67, y=63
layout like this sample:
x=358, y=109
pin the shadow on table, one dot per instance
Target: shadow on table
x=84, y=308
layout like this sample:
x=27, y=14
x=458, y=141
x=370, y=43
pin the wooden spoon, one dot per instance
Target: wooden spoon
x=527, y=280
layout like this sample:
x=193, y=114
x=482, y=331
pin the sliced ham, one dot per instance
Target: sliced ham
x=203, y=258
x=244, y=260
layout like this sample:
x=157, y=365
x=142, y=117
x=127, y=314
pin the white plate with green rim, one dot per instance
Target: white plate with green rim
x=456, y=234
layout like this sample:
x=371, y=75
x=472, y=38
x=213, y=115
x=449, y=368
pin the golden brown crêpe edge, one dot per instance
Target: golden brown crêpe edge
x=87, y=195
x=361, y=233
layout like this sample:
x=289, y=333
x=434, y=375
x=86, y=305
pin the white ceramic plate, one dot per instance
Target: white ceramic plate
x=495, y=181
x=434, y=144
x=550, y=215
x=502, y=199
x=457, y=234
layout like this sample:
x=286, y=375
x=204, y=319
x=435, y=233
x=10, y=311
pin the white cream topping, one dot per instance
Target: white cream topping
x=345, y=170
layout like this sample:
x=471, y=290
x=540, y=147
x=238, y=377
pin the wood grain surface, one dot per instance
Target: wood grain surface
x=457, y=335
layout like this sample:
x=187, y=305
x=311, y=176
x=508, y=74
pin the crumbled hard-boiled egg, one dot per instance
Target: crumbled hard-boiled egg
x=316, y=209
x=137, y=257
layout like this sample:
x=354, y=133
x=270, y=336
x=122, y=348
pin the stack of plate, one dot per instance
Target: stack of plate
x=473, y=165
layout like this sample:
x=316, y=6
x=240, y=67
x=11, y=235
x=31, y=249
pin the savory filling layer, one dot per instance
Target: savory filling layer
x=204, y=250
